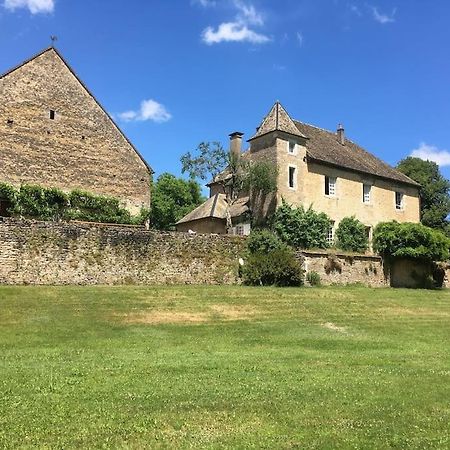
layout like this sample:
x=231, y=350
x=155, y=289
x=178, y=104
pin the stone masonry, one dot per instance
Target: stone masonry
x=54, y=133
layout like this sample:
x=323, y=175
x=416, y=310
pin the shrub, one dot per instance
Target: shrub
x=264, y=241
x=410, y=240
x=351, y=235
x=300, y=227
x=313, y=278
x=9, y=194
x=95, y=208
x=276, y=268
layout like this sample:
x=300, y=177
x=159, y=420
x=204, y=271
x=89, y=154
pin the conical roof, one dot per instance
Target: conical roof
x=277, y=120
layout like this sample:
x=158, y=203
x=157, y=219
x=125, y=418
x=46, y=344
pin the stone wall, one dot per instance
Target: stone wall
x=337, y=268
x=78, y=253
x=80, y=148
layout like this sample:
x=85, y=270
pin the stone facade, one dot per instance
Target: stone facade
x=80, y=253
x=54, y=133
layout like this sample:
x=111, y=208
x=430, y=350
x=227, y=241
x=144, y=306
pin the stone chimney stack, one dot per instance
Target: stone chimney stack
x=341, y=134
x=236, y=143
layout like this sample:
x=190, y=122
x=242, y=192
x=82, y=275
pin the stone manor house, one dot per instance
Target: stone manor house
x=315, y=167
x=54, y=133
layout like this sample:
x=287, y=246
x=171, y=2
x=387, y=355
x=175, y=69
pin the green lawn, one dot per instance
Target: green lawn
x=134, y=367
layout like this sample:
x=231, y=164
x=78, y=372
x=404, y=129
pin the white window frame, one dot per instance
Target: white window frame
x=330, y=234
x=367, y=196
x=294, y=148
x=332, y=182
x=294, y=187
x=399, y=206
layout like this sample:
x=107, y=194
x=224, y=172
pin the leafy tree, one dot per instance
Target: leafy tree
x=410, y=240
x=351, y=235
x=173, y=198
x=300, y=227
x=234, y=174
x=434, y=191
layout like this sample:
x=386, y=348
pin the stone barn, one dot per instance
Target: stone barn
x=54, y=133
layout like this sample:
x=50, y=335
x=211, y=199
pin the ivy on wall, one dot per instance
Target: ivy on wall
x=40, y=203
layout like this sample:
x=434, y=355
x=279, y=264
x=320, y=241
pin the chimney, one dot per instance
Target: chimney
x=341, y=134
x=236, y=143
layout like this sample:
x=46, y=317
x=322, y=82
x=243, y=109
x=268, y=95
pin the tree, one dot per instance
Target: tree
x=351, y=235
x=173, y=198
x=235, y=174
x=434, y=191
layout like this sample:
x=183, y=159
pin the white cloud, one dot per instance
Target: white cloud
x=383, y=18
x=432, y=153
x=232, y=32
x=354, y=9
x=299, y=37
x=238, y=30
x=34, y=6
x=205, y=3
x=149, y=110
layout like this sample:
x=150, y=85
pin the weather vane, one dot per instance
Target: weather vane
x=53, y=39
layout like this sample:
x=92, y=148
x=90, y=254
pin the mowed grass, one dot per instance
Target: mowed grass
x=236, y=367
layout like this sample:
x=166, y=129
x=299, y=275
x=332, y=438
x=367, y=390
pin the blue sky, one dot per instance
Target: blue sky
x=177, y=72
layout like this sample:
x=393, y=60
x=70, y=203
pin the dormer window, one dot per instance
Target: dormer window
x=52, y=114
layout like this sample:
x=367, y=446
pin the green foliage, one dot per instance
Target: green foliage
x=300, y=227
x=434, y=191
x=313, y=278
x=40, y=203
x=275, y=268
x=351, y=235
x=173, y=198
x=264, y=241
x=95, y=208
x=209, y=160
x=410, y=240
x=259, y=176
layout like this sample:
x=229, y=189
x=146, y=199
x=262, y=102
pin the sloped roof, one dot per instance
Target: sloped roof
x=277, y=120
x=216, y=207
x=56, y=52
x=324, y=146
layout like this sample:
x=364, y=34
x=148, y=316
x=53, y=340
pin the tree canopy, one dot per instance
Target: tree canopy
x=434, y=191
x=173, y=198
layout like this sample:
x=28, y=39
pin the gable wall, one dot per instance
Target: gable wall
x=53, y=153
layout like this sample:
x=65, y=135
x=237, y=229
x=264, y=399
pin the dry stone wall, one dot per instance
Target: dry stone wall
x=76, y=253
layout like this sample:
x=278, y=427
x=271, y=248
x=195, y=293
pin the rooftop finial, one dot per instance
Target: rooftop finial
x=53, y=39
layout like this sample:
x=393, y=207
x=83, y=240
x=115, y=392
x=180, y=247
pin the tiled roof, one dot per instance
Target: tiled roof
x=216, y=207
x=324, y=146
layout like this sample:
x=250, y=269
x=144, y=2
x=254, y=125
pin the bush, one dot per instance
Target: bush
x=300, y=227
x=410, y=240
x=351, y=235
x=313, y=278
x=8, y=194
x=264, y=241
x=276, y=268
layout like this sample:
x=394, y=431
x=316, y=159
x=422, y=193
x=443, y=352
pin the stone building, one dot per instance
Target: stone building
x=320, y=168
x=54, y=133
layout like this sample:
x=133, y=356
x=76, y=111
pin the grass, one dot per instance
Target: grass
x=150, y=367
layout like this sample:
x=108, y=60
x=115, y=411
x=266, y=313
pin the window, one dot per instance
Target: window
x=330, y=234
x=292, y=180
x=330, y=185
x=366, y=193
x=240, y=230
x=399, y=200
x=52, y=114
x=291, y=147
